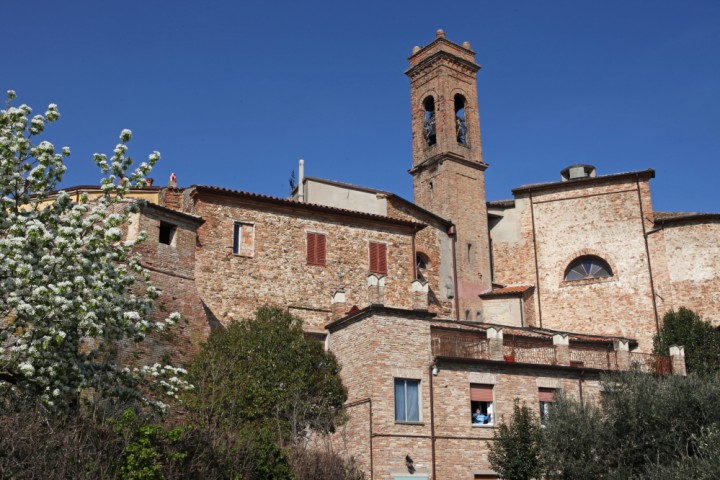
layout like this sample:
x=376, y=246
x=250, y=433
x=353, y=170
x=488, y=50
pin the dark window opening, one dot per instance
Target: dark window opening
x=429, y=122
x=467, y=315
x=422, y=262
x=460, y=122
x=167, y=233
x=588, y=267
x=469, y=254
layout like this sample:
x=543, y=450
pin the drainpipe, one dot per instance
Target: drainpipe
x=453, y=234
x=360, y=402
x=647, y=254
x=432, y=420
x=414, y=255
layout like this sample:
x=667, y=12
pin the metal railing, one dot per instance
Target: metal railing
x=529, y=352
x=460, y=346
x=651, y=363
x=593, y=358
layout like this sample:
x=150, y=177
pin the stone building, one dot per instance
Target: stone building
x=445, y=309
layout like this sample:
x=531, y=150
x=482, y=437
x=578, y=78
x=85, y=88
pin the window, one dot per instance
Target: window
x=429, y=121
x=244, y=239
x=378, y=258
x=407, y=400
x=588, y=267
x=167, y=233
x=481, y=404
x=315, y=249
x=546, y=397
x=460, y=122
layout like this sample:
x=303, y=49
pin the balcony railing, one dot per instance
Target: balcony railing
x=529, y=352
x=651, y=363
x=593, y=358
x=457, y=346
x=471, y=347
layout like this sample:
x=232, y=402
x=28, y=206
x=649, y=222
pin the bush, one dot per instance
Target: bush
x=516, y=449
x=700, y=339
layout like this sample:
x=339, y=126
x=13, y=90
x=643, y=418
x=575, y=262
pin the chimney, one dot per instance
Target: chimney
x=301, y=180
x=173, y=181
x=149, y=182
x=576, y=172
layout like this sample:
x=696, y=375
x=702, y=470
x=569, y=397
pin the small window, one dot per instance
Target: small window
x=378, y=258
x=244, y=239
x=546, y=397
x=167, y=233
x=469, y=254
x=460, y=122
x=588, y=267
x=407, y=400
x=316, y=249
x=481, y=404
x=429, y=121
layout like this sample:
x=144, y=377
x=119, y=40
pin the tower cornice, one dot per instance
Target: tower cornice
x=447, y=156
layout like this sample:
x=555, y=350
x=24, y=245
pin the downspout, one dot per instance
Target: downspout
x=537, y=269
x=580, y=381
x=647, y=254
x=432, y=421
x=453, y=233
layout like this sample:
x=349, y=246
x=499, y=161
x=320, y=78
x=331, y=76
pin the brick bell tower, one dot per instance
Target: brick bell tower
x=448, y=168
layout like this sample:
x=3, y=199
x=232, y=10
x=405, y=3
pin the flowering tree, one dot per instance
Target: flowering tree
x=70, y=287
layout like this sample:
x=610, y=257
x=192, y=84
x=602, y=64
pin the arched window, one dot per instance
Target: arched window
x=422, y=262
x=429, y=123
x=460, y=123
x=588, y=267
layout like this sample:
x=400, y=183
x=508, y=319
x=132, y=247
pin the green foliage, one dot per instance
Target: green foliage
x=700, y=339
x=264, y=373
x=147, y=449
x=646, y=427
x=516, y=450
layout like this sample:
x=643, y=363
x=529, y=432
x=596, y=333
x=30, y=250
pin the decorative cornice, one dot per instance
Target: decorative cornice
x=438, y=56
x=442, y=157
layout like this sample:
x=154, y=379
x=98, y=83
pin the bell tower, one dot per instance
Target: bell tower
x=448, y=169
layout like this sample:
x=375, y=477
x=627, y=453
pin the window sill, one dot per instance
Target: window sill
x=418, y=424
x=240, y=255
x=483, y=425
x=587, y=281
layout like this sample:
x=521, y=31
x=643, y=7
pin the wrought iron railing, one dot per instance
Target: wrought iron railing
x=593, y=358
x=651, y=363
x=460, y=346
x=529, y=352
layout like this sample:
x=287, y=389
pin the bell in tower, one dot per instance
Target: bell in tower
x=448, y=169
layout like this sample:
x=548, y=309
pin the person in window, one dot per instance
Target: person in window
x=478, y=417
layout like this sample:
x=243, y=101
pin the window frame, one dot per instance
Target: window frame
x=383, y=246
x=544, y=405
x=171, y=235
x=597, y=261
x=417, y=382
x=237, y=246
x=489, y=407
x=313, y=255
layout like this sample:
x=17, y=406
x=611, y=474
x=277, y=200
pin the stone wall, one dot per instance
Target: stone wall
x=234, y=286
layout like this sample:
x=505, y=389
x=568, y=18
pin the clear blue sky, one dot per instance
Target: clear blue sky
x=233, y=93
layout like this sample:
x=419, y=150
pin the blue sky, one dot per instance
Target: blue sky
x=233, y=93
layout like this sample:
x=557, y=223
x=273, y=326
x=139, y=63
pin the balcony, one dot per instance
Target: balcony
x=540, y=351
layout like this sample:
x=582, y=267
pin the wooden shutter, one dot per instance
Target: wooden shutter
x=481, y=393
x=378, y=258
x=315, y=248
x=546, y=394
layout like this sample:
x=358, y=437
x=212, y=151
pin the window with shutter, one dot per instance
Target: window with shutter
x=316, y=249
x=378, y=258
x=481, y=404
x=546, y=397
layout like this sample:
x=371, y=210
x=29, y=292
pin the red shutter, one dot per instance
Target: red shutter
x=546, y=394
x=481, y=393
x=315, y=248
x=378, y=258
x=320, y=248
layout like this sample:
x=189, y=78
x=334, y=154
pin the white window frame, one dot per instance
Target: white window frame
x=419, y=401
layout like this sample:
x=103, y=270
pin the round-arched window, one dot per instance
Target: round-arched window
x=588, y=267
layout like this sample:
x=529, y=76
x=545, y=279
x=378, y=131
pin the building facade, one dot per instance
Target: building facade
x=443, y=310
